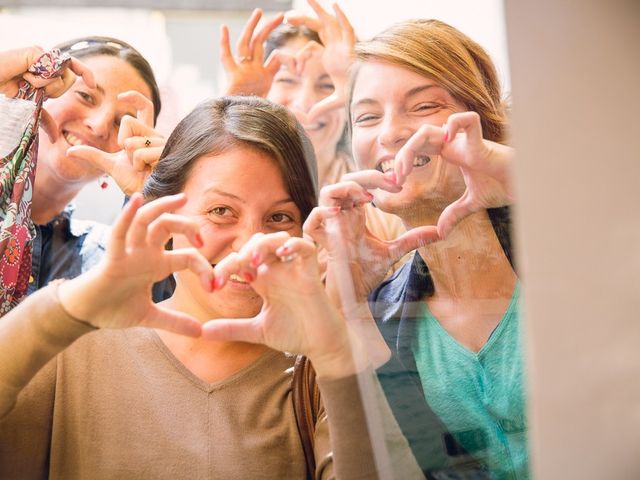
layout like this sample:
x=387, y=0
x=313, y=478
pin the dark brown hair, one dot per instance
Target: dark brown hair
x=286, y=32
x=218, y=125
x=86, y=47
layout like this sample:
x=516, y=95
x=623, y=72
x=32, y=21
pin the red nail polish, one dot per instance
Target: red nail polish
x=199, y=242
x=214, y=283
x=446, y=137
x=248, y=277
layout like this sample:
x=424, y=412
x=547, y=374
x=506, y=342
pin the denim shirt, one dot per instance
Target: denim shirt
x=65, y=248
x=396, y=306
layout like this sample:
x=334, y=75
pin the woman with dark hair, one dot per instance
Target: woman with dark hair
x=428, y=131
x=238, y=177
x=124, y=102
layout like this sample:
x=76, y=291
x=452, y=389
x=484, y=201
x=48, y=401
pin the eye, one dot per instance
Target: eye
x=365, y=118
x=326, y=87
x=426, y=107
x=287, y=81
x=221, y=214
x=85, y=97
x=281, y=217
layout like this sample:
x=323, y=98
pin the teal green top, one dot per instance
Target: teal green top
x=479, y=396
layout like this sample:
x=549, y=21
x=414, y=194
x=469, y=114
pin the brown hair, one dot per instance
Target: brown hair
x=442, y=53
x=286, y=32
x=94, y=46
x=439, y=51
x=218, y=125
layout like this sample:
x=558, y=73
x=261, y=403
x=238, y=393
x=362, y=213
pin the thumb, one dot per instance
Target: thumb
x=454, y=212
x=233, y=330
x=332, y=102
x=172, y=321
x=99, y=159
x=49, y=125
x=409, y=241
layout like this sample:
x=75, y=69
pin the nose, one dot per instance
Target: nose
x=245, y=231
x=101, y=122
x=394, y=131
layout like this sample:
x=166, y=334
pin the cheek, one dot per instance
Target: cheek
x=279, y=95
x=361, y=144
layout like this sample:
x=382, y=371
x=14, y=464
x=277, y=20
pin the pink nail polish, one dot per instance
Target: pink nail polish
x=198, y=240
x=255, y=260
x=334, y=209
x=248, y=277
x=391, y=178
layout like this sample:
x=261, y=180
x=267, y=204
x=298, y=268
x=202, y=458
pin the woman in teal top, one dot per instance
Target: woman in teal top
x=425, y=111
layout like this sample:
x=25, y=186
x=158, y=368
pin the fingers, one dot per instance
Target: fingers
x=143, y=106
x=257, y=42
x=226, y=56
x=101, y=160
x=81, y=69
x=137, y=234
x=309, y=49
x=276, y=59
x=16, y=62
x=314, y=224
x=427, y=140
x=243, y=46
x=146, y=158
x=303, y=20
x=345, y=25
x=371, y=179
x=235, y=330
x=193, y=260
x=133, y=127
x=409, y=241
x=468, y=122
x=344, y=195
x=172, y=321
x=117, y=242
x=453, y=213
x=334, y=101
x=323, y=15
x=165, y=226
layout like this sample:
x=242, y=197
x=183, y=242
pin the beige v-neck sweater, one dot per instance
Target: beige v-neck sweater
x=117, y=404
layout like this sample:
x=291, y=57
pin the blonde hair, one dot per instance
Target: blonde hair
x=444, y=54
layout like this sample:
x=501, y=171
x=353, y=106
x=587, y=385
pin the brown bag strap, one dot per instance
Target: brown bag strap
x=306, y=405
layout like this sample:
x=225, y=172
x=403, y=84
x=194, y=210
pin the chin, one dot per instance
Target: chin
x=238, y=306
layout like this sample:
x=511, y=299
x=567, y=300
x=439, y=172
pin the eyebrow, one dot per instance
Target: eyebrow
x=410, y=93
x=235, y=197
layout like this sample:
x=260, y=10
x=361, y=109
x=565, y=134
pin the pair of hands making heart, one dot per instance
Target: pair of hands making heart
x=338, y=224
x=282, y=269
x=141, y=147
x=249, y=74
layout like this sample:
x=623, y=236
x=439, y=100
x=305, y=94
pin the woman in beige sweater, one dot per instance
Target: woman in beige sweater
x=198, y=387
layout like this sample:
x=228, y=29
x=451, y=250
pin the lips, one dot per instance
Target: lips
x=388, y=164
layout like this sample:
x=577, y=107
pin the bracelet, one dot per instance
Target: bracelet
x=55, y=284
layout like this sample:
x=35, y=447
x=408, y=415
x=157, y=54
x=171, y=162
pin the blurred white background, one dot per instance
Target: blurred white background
x=182, y=47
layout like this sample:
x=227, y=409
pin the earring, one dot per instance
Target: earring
x=102, y=181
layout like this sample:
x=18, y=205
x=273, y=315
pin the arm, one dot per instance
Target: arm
x=115, y=294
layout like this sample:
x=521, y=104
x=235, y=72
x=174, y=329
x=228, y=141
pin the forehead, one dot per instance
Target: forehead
x=115, y=75
x=241, y=169
x=376, y=79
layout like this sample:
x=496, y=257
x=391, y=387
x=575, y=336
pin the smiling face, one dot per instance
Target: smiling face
x=389, y=104
x=89, y=116
x=228, y=197
x=300, y=92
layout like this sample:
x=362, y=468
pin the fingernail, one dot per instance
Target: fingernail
x=256, y=259
x=369, y=195
x=446, y=136
x=334, y=209
x=248, y=277
x=198, y=241
x=282, y=250
x=214, y=284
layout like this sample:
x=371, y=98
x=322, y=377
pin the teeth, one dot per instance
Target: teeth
x=72, y=139
x=236, y=278
x=421, y=160
x=387, y=165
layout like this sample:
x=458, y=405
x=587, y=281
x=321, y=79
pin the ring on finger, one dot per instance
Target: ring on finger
x=147, y=142
x=244, y=58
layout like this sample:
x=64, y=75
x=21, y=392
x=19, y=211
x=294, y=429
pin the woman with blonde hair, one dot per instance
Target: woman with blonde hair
x=428, y=130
